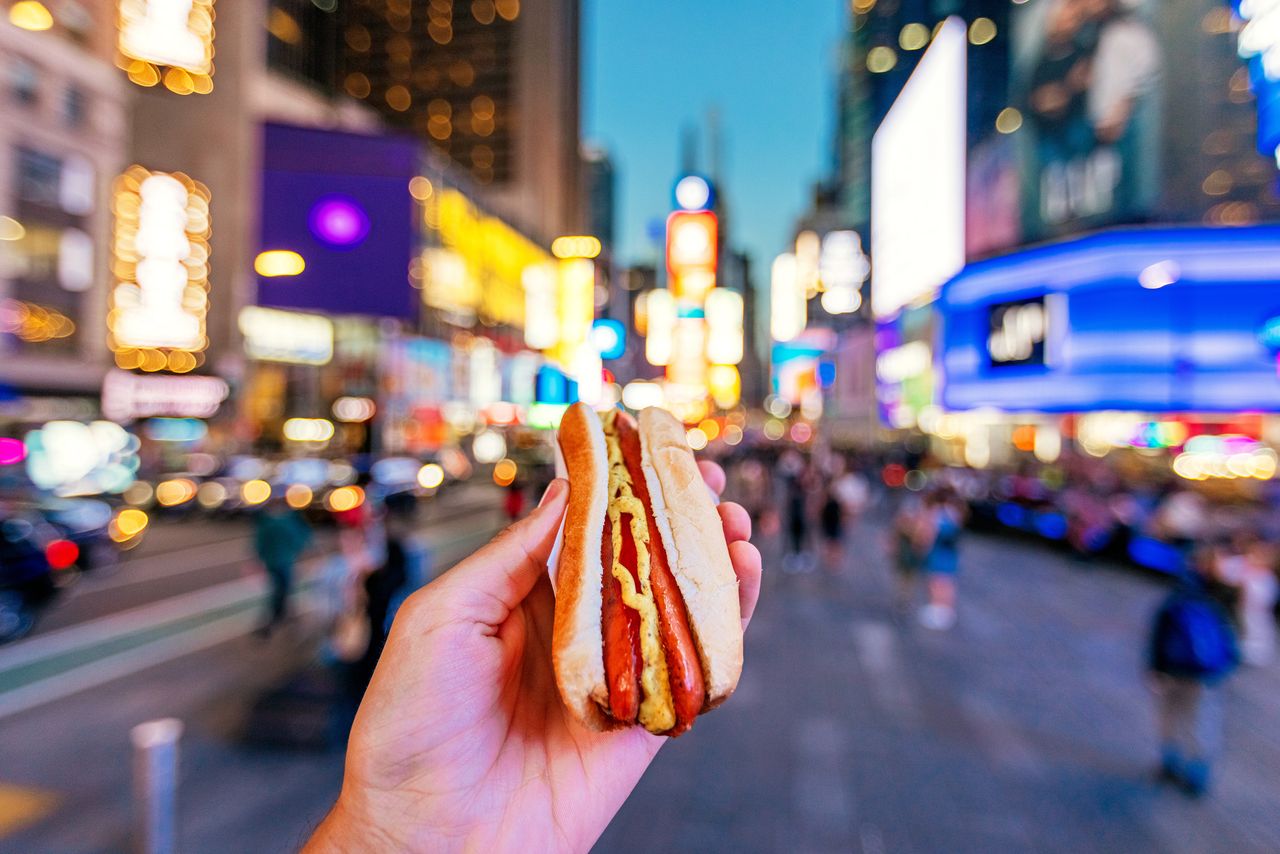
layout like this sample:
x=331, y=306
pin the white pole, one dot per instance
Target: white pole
x=155, y=785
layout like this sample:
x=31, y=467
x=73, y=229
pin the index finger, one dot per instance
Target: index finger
x=713, y=475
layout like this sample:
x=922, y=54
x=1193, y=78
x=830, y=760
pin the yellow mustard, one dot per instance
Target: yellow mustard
x=657, y=711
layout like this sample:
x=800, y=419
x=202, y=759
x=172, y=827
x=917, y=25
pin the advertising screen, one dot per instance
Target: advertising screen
x=1152, y=320
x=917, y=180
x=1123, y=112
x=341, y=201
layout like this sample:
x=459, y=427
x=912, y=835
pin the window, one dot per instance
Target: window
x=39, y=177
x=75, y=107
x=24, y=81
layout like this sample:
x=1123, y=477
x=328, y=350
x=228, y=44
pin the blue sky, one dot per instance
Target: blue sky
x=767, y=67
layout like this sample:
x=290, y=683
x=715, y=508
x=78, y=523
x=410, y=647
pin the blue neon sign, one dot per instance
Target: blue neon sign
x=1158, y=320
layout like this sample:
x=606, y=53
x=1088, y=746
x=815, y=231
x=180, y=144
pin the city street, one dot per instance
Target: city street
x=1027, y=727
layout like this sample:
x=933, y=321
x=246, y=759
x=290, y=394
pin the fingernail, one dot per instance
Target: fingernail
x=553, y=490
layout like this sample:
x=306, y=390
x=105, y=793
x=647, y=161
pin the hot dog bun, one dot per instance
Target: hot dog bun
x=577, y=651
x=691, y=535
x=696, y=549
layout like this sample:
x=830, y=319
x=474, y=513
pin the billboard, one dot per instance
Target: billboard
x=1126, y=112
x=340, y=201
x=1087, y=79
x=1153, y=320
x=917, y=180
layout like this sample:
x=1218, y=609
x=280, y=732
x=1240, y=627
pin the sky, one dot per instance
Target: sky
x=768, y=69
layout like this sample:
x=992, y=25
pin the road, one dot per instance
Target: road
x=1027, y=727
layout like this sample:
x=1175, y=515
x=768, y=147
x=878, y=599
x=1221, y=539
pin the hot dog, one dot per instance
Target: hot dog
x=647, y=629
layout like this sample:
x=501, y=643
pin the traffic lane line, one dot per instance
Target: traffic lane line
x=137, y=575
x=175, y=607
x=245, y=606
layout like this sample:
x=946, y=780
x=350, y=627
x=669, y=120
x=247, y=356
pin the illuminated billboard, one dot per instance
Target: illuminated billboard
x=169, y=42
x=1129, y=113
x=917, y=180
x=161, y=266
x=1154, y=320
x=337, y=206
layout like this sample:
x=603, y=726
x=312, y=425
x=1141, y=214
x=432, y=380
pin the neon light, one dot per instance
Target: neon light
x=161, y=264
x=609, y=337
x=338, y=221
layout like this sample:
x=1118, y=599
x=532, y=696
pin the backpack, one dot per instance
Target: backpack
x=1194, y=638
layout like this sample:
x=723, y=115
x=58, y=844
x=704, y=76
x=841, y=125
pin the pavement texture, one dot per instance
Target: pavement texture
x=1027, y=727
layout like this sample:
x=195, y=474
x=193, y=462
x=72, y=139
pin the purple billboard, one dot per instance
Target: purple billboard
x=342, y=202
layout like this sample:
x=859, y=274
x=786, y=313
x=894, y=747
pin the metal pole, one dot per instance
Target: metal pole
x=155, y=785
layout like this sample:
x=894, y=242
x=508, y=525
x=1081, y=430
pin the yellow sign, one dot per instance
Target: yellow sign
x=480, y=265
x=172, y=34
x=577, y=308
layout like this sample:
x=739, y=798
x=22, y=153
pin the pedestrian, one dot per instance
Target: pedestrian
x=797, y=558
x=513, y=502
x=907, y=557
x=280, y=535
x=939, y=542
x=831, y=522
x=1192, y=649
x=1249, y=568
x=382, y=589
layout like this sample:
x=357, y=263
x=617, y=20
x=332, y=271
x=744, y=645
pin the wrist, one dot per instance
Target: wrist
x=348, y=829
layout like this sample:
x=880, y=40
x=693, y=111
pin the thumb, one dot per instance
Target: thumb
x=505, y=570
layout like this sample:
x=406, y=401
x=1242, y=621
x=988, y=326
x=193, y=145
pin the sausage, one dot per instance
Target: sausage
x=688, y=689
x=620, y=627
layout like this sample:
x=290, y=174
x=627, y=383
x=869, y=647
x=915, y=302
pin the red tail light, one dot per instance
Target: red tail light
x=61, y=553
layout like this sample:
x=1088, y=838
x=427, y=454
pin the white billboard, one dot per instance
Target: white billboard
x=917, y=180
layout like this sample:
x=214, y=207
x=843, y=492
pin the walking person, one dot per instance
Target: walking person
x=280, y=535
x=939, y=542
x=797, y=559
x=907, y=557
x=831, y=520
x=1192, y=649
x=1250, y=569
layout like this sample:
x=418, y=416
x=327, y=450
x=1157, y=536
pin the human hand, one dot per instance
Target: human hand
x=462, y=741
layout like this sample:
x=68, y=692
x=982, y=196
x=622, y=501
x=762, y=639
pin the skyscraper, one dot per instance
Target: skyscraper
x=491, y=84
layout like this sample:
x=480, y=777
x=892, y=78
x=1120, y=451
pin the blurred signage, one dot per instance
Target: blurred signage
x=286, y=336
x=688, y=366
x=1017, y=332
x=176, y=35
x=70, y=458
x=1108, y=342
x=1259, y=44
x=842, y=268
x=541, y=326
x=1091, y=132
x=787, y=299
x=725, y=385
x=576, y=307
x=660, y=327
x=481, y=266
x=485, y=375
x=522, y=378
x=691, y=253
x=724, y=312
x=917, y=179
x=127, y=396
x=571, y=246
x=416, y=375
x=340, y=201
x=161, y=266
x=609, y=337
